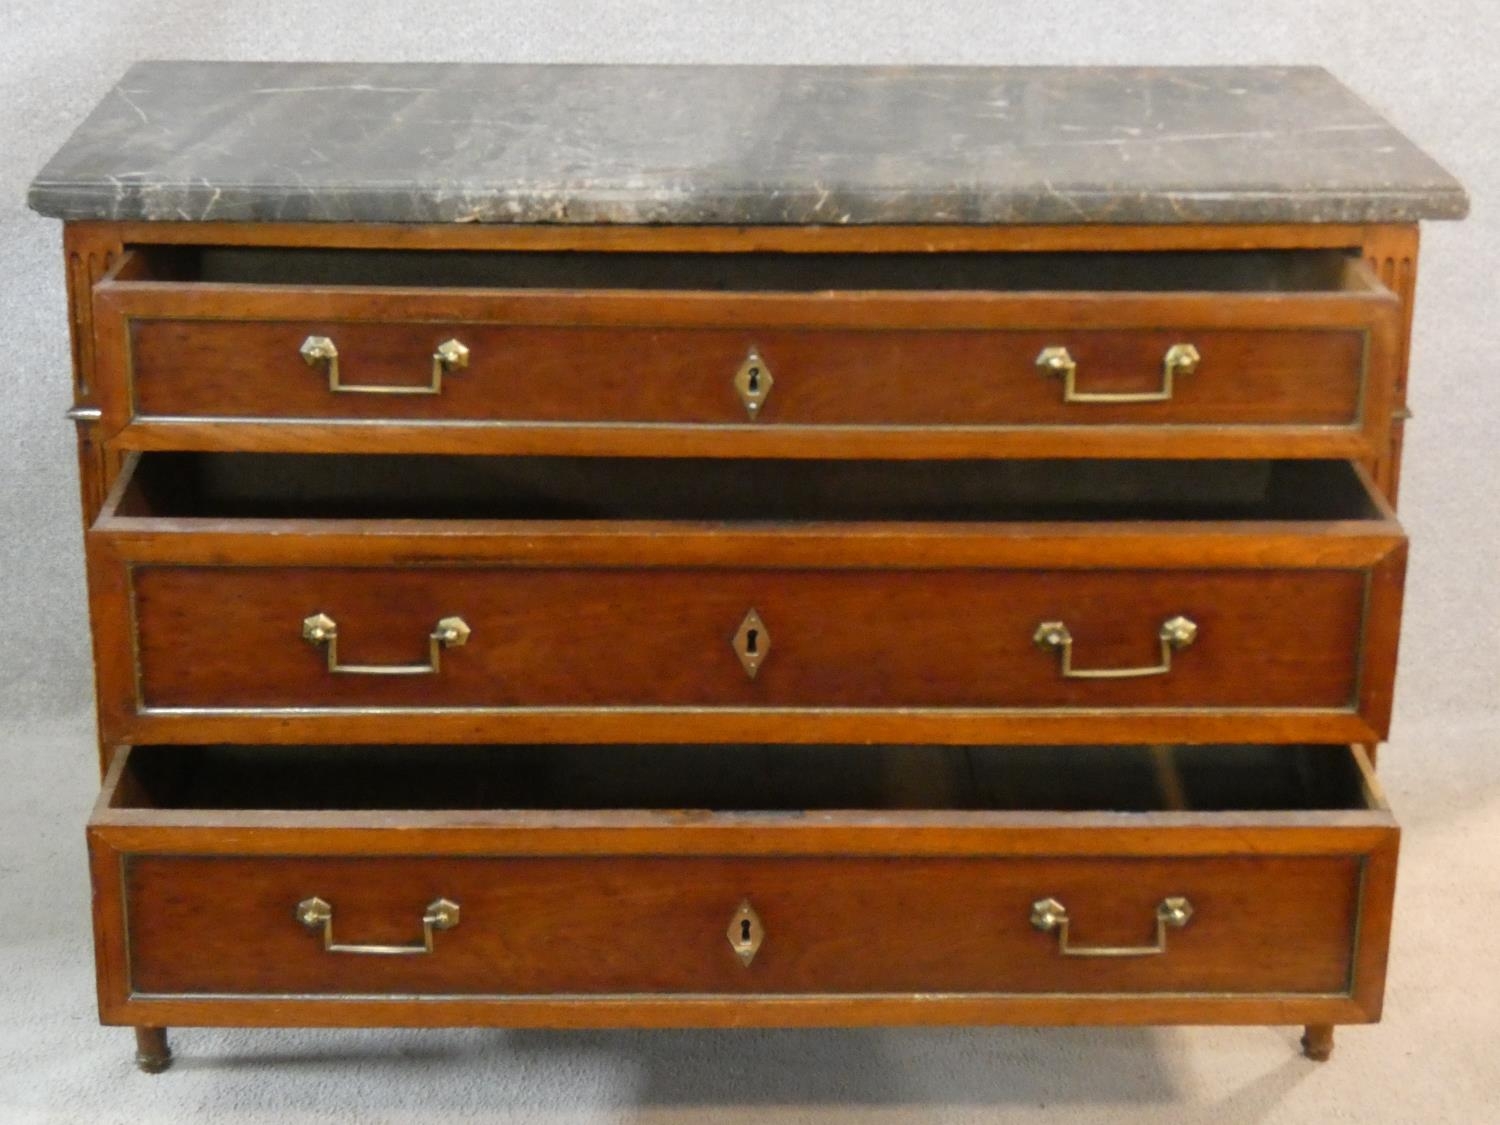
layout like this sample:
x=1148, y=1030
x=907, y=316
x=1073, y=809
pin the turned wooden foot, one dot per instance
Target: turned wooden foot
x=151, y=1051
x=1317, y=1041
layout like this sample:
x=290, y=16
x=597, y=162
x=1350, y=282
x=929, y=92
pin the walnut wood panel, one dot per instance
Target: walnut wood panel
x=229, y=637
x=855, y=373
x=658, y=925
x=1391, y=253
x=867, y=917
x=522, y=373
x=91, y=255
x=793, y=239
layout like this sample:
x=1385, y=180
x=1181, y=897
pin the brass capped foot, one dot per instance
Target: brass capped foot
x=152, y=1054
x=1317, y=1041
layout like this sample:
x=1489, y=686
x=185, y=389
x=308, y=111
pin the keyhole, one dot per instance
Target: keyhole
x=752, y=643
x=745, y=930
x=754, y=380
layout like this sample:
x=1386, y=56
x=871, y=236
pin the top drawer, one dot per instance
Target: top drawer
x=972, y=354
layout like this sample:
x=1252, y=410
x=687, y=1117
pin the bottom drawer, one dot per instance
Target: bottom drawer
x=833, y=885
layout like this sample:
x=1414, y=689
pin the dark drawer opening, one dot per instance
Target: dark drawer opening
x=1228, y=271
x=315, y=486
x=761, y=778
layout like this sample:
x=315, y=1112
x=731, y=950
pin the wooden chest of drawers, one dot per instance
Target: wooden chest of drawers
x=659, y=595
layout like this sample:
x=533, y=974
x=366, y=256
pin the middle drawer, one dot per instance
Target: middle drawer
x=593, y=601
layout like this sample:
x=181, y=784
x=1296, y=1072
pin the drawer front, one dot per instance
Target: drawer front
x=689, y=638
x=460, y=885
x=662, y=375
x=860, y=373
x=663, y=925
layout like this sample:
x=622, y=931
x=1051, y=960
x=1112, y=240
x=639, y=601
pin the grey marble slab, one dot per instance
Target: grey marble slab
x=418, y=142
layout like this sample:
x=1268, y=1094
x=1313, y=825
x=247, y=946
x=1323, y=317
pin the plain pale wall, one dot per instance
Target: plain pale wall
x=1429, y=67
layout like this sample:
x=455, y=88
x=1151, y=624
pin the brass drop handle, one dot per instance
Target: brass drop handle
x=317, y=914
x=1181, y=359
x=1051, y=916
x=449, y=356
x=320, y=630
x=1175, y=634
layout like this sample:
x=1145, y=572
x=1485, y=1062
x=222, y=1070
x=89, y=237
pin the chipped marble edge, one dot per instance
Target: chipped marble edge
x=82, y=201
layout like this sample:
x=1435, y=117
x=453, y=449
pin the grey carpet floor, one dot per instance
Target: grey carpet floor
x=1433, y=1059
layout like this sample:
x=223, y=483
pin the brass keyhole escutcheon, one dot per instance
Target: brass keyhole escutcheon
x=752, y=382
x=751, y=643
x=746, y=933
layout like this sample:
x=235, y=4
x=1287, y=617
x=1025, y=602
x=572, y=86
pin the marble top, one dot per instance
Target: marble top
x=491, y=143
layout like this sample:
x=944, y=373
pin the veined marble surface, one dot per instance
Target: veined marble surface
x=418, y=142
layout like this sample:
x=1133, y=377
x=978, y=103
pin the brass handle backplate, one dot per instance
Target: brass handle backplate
x=317, y=914
x=320, y=630
x=1181, y=359
x=1175, y=634
x=449, y=356
x=1049, y=916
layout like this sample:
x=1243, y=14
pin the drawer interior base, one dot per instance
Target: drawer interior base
x=1311, y=270
x=746, y=778
x=249, y=486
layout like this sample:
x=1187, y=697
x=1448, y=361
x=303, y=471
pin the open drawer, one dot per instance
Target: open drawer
x=475, y=599
x=909, y=355
x=567, y=885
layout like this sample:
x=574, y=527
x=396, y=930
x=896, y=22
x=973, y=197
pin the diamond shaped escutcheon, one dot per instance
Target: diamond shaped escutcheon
x=745, y=933
x=752, y=382
x=752, y=643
